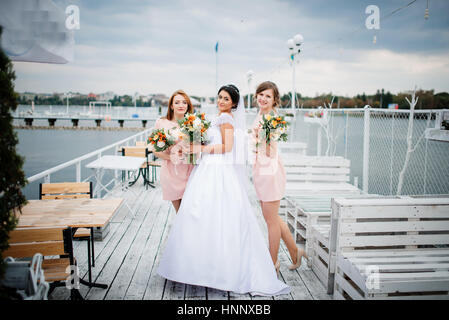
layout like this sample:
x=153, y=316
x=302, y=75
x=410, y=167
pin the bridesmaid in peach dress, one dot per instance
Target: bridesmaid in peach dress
x=269, y=180
x=174, y=172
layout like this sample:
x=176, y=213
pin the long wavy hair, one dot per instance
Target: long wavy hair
x=170, y=113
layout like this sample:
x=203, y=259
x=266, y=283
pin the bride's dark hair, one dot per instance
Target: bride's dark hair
x=233, y=92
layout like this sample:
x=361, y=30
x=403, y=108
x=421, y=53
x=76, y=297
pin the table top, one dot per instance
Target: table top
x=75, y=213
x=117, y=163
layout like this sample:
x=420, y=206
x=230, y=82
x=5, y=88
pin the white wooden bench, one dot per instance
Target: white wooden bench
x=298, y=148
x=319, y=175
x=321, y=250
x=393, y=248
x=320, y=255
x=311, y=184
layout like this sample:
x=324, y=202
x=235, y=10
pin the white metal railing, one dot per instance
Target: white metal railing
x=46, y=175
x=374, y=140
x=388, y=148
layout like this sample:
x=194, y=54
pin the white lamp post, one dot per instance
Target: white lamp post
x=68, y=95
x=249, y=77
x=294, y=49
x=136, y=95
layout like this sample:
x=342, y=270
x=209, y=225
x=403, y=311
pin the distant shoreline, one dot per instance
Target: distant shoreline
x=79, y=128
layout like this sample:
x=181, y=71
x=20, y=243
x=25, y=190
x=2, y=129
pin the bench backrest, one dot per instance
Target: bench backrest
x=141, y=143
x=136, y=151
x=65, y=190
x=390, y=223
x=298, y=148
x=49, y=241
x=317, y=169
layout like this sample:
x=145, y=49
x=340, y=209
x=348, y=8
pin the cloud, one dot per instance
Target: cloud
x=149, y=47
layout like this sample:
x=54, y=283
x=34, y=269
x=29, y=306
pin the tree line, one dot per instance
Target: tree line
x=428, y=99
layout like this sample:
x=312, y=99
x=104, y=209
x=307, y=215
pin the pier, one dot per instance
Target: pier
x=97, y=119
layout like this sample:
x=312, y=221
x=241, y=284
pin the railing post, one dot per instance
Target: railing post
x=366, y=136
x=318, y=141
x=78, y=171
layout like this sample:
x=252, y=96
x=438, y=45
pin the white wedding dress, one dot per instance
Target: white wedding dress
x=215, y=240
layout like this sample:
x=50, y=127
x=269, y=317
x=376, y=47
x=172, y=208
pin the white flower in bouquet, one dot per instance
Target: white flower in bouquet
x=161, y=144
x=274, y=136
x=197, y=123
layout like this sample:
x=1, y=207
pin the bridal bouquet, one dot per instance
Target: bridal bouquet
x=273, y=128
x=160, y=140
x=194, y=130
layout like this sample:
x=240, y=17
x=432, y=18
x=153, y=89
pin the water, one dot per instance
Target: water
x=44, y=149
x=428, y=171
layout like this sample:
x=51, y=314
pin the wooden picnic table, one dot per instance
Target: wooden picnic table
x=75, y=213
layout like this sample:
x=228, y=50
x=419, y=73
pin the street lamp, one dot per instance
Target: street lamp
x=249, y=77
x=68, y=95
x=136, y=95
x=294, y=49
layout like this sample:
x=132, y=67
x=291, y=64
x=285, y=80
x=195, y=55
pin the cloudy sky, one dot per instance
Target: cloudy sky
x=161, y=46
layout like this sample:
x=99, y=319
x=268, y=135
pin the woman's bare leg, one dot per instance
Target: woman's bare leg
x=274, y=222
x=176, y=204
x=270, y=214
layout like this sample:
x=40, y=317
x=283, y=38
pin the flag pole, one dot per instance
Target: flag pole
x=216, y=67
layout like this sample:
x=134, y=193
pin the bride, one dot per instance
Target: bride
x=215, y=240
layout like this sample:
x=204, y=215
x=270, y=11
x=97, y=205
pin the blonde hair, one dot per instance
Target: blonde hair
x=170, y=113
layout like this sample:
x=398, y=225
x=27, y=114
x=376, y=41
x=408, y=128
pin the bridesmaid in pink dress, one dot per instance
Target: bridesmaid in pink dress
x=174, y=172
x=269, y=180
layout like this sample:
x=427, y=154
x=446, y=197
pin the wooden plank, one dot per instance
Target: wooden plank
x=398, y=260
x=108, y=264
x=65, y=196
x=174, y=291
x=423, y=253
x=149, y=260
x=394, y=201
x=34, y=234
x=24, y=250
x=195, y=293
x=394, y=226
x=319, y=171
x=343, y=284
x=155, y=287
x=428, y=212
x=65, y=187
x=71, y=212
x=404, y=267
x=315, y=177
x=215, y=294
x=320, y=187
x=118, y=288
x=397, y=240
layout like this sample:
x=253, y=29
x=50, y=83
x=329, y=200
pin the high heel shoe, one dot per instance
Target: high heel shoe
x=300, y=253
x=277, y=266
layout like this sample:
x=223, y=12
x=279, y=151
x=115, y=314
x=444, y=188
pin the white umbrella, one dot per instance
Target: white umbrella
x=38, y=30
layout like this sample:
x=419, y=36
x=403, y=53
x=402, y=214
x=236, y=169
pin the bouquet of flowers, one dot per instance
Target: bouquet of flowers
x=273, y=128
x=161, y=140
x=194, y=131
x=316, y=114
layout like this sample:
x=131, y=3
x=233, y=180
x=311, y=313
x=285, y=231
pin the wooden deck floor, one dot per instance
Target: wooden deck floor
x=128, y=257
